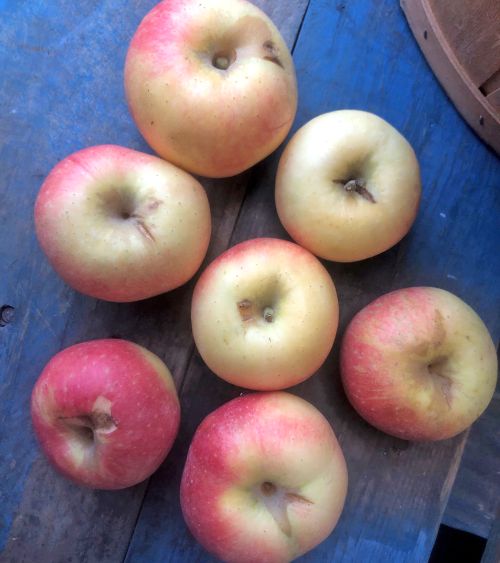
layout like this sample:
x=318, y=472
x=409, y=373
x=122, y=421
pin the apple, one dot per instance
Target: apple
x=106, y=413
x=122, y=225
x=210, y=85
x=418, y=363
x=264, y=314
x=265, y=479
x=347, y=186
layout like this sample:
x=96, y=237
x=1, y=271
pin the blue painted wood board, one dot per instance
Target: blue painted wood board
x=60, y=90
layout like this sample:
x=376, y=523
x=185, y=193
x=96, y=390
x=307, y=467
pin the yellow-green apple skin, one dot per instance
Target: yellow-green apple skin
x=347, y=186
x=122, y=225
x=264, y=314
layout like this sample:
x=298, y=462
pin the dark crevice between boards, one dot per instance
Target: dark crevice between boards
x=454, y=545
x=299, y=30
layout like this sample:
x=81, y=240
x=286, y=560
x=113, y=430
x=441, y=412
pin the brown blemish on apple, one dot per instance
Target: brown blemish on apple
x=154, y=204
x=293, y=497
x=245, y=307
x=272, y=53
x=142, y=227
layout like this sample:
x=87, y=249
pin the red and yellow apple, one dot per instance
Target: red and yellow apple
x=347, y=186
x=122, y=225
x=265, y=479
x=210, y=85
x=106, y=413
x=265, y=314
x=418, y=363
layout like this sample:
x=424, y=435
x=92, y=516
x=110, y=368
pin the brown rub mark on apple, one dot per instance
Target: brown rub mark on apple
x=294, y=497
x=142, y=227
x=272, y=53
x=245, y=307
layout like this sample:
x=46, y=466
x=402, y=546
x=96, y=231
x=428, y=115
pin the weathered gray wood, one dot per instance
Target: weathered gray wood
x=475, y=497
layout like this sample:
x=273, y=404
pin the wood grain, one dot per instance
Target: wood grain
x=433, y=30
x=471, y=29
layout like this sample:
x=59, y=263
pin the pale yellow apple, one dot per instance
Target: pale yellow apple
x=122, y=225
x=265, y=314
x=348, y=186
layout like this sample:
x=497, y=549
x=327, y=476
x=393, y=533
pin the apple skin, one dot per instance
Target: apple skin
x=265, y=479
x=232, y=298
x=106, y=413
x=418, y=363
x=121, y=225
x=318, y=201
x=210, y=121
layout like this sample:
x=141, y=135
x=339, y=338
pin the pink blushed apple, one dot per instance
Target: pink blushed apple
x=210, y=85
x=121, y=225
x=106, y=413
x=265, y=314
x=265, y=479
x=418, y=363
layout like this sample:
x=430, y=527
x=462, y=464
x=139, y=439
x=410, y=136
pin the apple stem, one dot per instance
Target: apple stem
x=358, y=185
x=269, y=314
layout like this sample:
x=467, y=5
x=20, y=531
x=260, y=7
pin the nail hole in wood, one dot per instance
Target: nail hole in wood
x=425, y=34
x=481, y=120
x=6, y=315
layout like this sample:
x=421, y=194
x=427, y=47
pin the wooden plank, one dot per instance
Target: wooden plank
x=398, y=491
x=471, y=30
x=492, y=551
x=475, y=497
x=62, y=89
